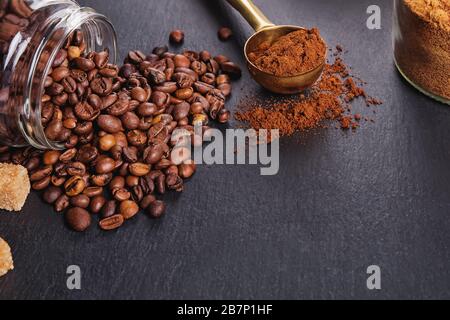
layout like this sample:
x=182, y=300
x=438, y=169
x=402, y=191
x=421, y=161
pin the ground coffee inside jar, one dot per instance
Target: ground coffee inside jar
x=422, y=44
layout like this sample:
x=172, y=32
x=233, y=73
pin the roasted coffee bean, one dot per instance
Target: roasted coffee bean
x=137, y=138
x=147, y=201
x=204, y=55
x=160, y=184
x=130, y=121
x=112, y=222
x=75, y=169
x=130, y=154
x=223, y=116
x=51, y=157
x=154, y=153
x=84, y=64
x=62, y=203
x=174, y=182
x=101, y=59
x=105, y=165
x=58, y=181
x=121, y=194
x=156, y=209
x=60, y=73
x=70, y=123
x=212, y=66
x=31, y=164
x=159, y=51
x=84, y=128
x=232, y=69
x=41, y=184
x=96, y=204
x=107, y=142
x=60, y=169
x=81, y=201
x=139, y=169
x=110, y=124
x=110, y=71
x=102, y=86
x=137, y=193
x=52, y=194
x=221, y=59
x=53, y=130
x=186, y=170
x=184, y=94
x=59, y=58
x=109, y=209
x=116, y=152
x=93, y=191
x=225, y=88
x=136, y=56
x=101, y=180
x=74, y=186
x=87, y=154
x=176, y=36
x=41, y=174
x=209, y=78
x=117, y=182
x=128, y=209
x=225, y=33
x=84, y=111
x=199, y=67
x=172, y=170
x=69, y=84
x=119, y=108
x=95, y=101
x=132, y=181
x=79, y=75
x=139, y=94
x=147, y=184
x=78, y=219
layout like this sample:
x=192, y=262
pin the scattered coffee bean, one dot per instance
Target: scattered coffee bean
x=225, y=33
x=156, y=209
x=176, y=36
x=128, y=209
x=78, y=219
x=112, y=223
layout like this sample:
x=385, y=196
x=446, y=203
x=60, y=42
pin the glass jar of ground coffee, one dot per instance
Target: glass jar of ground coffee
x=35, y=38
x=421, y=35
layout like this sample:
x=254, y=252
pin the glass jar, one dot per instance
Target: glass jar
x=421, y=37
x=32, y=32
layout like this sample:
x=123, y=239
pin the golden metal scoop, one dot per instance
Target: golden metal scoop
x=267, y=31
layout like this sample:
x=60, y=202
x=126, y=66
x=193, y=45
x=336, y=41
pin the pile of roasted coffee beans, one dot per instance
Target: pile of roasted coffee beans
x=116, y=126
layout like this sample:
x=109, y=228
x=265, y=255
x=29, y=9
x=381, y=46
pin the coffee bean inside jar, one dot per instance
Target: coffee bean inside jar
x=116, y=125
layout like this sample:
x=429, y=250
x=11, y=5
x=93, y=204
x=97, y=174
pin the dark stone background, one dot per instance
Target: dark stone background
x=341, y=202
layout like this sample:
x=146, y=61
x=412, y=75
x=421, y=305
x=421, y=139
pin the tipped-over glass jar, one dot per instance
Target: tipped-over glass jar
x=32, y=34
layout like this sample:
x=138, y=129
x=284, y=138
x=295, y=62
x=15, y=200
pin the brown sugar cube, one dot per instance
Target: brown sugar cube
x=6, y=260
x=14, y=187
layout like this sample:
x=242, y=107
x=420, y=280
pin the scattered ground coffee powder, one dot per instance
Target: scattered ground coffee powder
x=422, y=44
x=293, y=54
x=327, y=99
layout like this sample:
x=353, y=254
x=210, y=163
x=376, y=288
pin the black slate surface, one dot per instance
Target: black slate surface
x=341, y=202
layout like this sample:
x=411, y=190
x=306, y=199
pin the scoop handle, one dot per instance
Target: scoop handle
x=252, y=14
